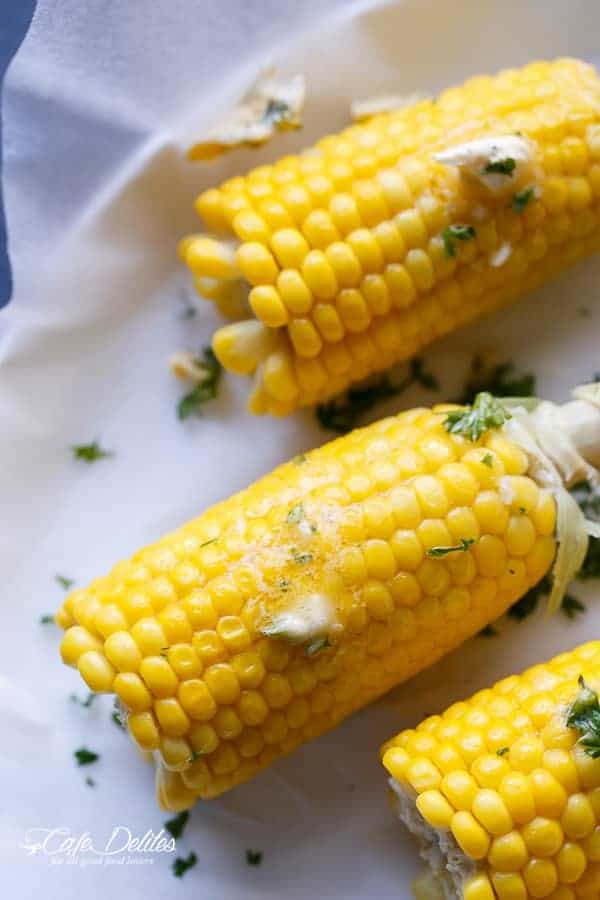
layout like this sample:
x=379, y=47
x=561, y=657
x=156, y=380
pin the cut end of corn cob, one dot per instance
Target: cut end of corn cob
x=503, y=790
x=368, y=246
x=275, y=614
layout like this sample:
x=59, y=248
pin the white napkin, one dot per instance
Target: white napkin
x=99, y=104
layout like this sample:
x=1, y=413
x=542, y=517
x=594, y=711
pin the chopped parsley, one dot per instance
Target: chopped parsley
x=85, y=703
x=182, y=864
x=254, y=857
x=571, y=606
x=47, y=619
x=589, y=501
x=85, y=757
x=488, y=631
x=295, y=515
x=90, y=453
x=302, y=558
x=320, y=643
x=502, y=751
x=498, y=380
x=488, y=460
x=299, y=459
x=280, y=115
x=205, y=390
x=164, y=652
x=344, y=413
x=284, y=585
x=66, y=583
x=454, y=233
x=584, y=715
x=90, y=781
x=207, y=543
x=194, y=755
x=436, y=552
x=486, y=412
x=500, y=166
x=117, y=719
x=521, y=200
x=176, y=825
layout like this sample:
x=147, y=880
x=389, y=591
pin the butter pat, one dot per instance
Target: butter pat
x=498, y=162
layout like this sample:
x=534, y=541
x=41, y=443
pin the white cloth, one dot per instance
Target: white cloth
x=99, y=103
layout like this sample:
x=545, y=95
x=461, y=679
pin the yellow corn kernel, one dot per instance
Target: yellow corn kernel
x=257, y=264
x=469, y=835
x=490, y=810
x=268, y=306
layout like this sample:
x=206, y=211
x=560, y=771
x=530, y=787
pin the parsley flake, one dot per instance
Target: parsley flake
x=522, y=199
x=437, y=552
x=176, y=825
x=487, y=412
x=454, y=233
x=205, y=390
x=498, y=380
x=254, y=857
x=85, y=703
x=182, y=864
x=47, y=619
x=295, y=515
x=344, y=413
x=85, y=757
x=488, y=631
x=117, y=719
x=488, y=460
x=500, y=166
x=302, y=558
x=299, y=459
x=90, y=453
x=502, y=751
x=90, y=781
x=66, y=583
x=584, y=715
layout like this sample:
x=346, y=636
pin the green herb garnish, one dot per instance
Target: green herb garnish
x=85, y=757
x=205, y=390
x=47, y=619
x=90, y=781
x=295, y=515
x=589, y=502
x=436, y=552
x=502, y=751
x=498, y=380
x=302, y=558
x=254, y=857
x=284, y=585
x=85, y=703
x=454, y=233
x=571, y=606
x=487, y=412
x=500, y=166
x=117, y=720
x=344, y=413
x=207, y=543
x=488, y=460
x=182, y=864
x=176, y=825
x=280, y=115
x=584, y=715
x=520, y=200
x=90, y=453
x=66, y=583
x=299, y=459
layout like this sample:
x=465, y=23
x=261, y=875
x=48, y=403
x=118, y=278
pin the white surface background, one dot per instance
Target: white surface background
x=98, y=105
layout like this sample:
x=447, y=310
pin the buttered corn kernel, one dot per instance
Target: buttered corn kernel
x=371, y=212
x=527, y=820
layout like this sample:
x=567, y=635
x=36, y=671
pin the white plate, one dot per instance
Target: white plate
x=86, y=339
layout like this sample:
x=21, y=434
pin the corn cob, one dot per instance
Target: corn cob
x=369, y=245
x=275, y=614
x=507, y=784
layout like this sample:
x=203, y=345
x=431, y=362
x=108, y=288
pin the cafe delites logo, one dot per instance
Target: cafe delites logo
x=61, y=846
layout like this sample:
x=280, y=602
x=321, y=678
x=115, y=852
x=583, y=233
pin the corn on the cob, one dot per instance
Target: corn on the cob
x=278, y=612
x=507, y=787
x=376, y=241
